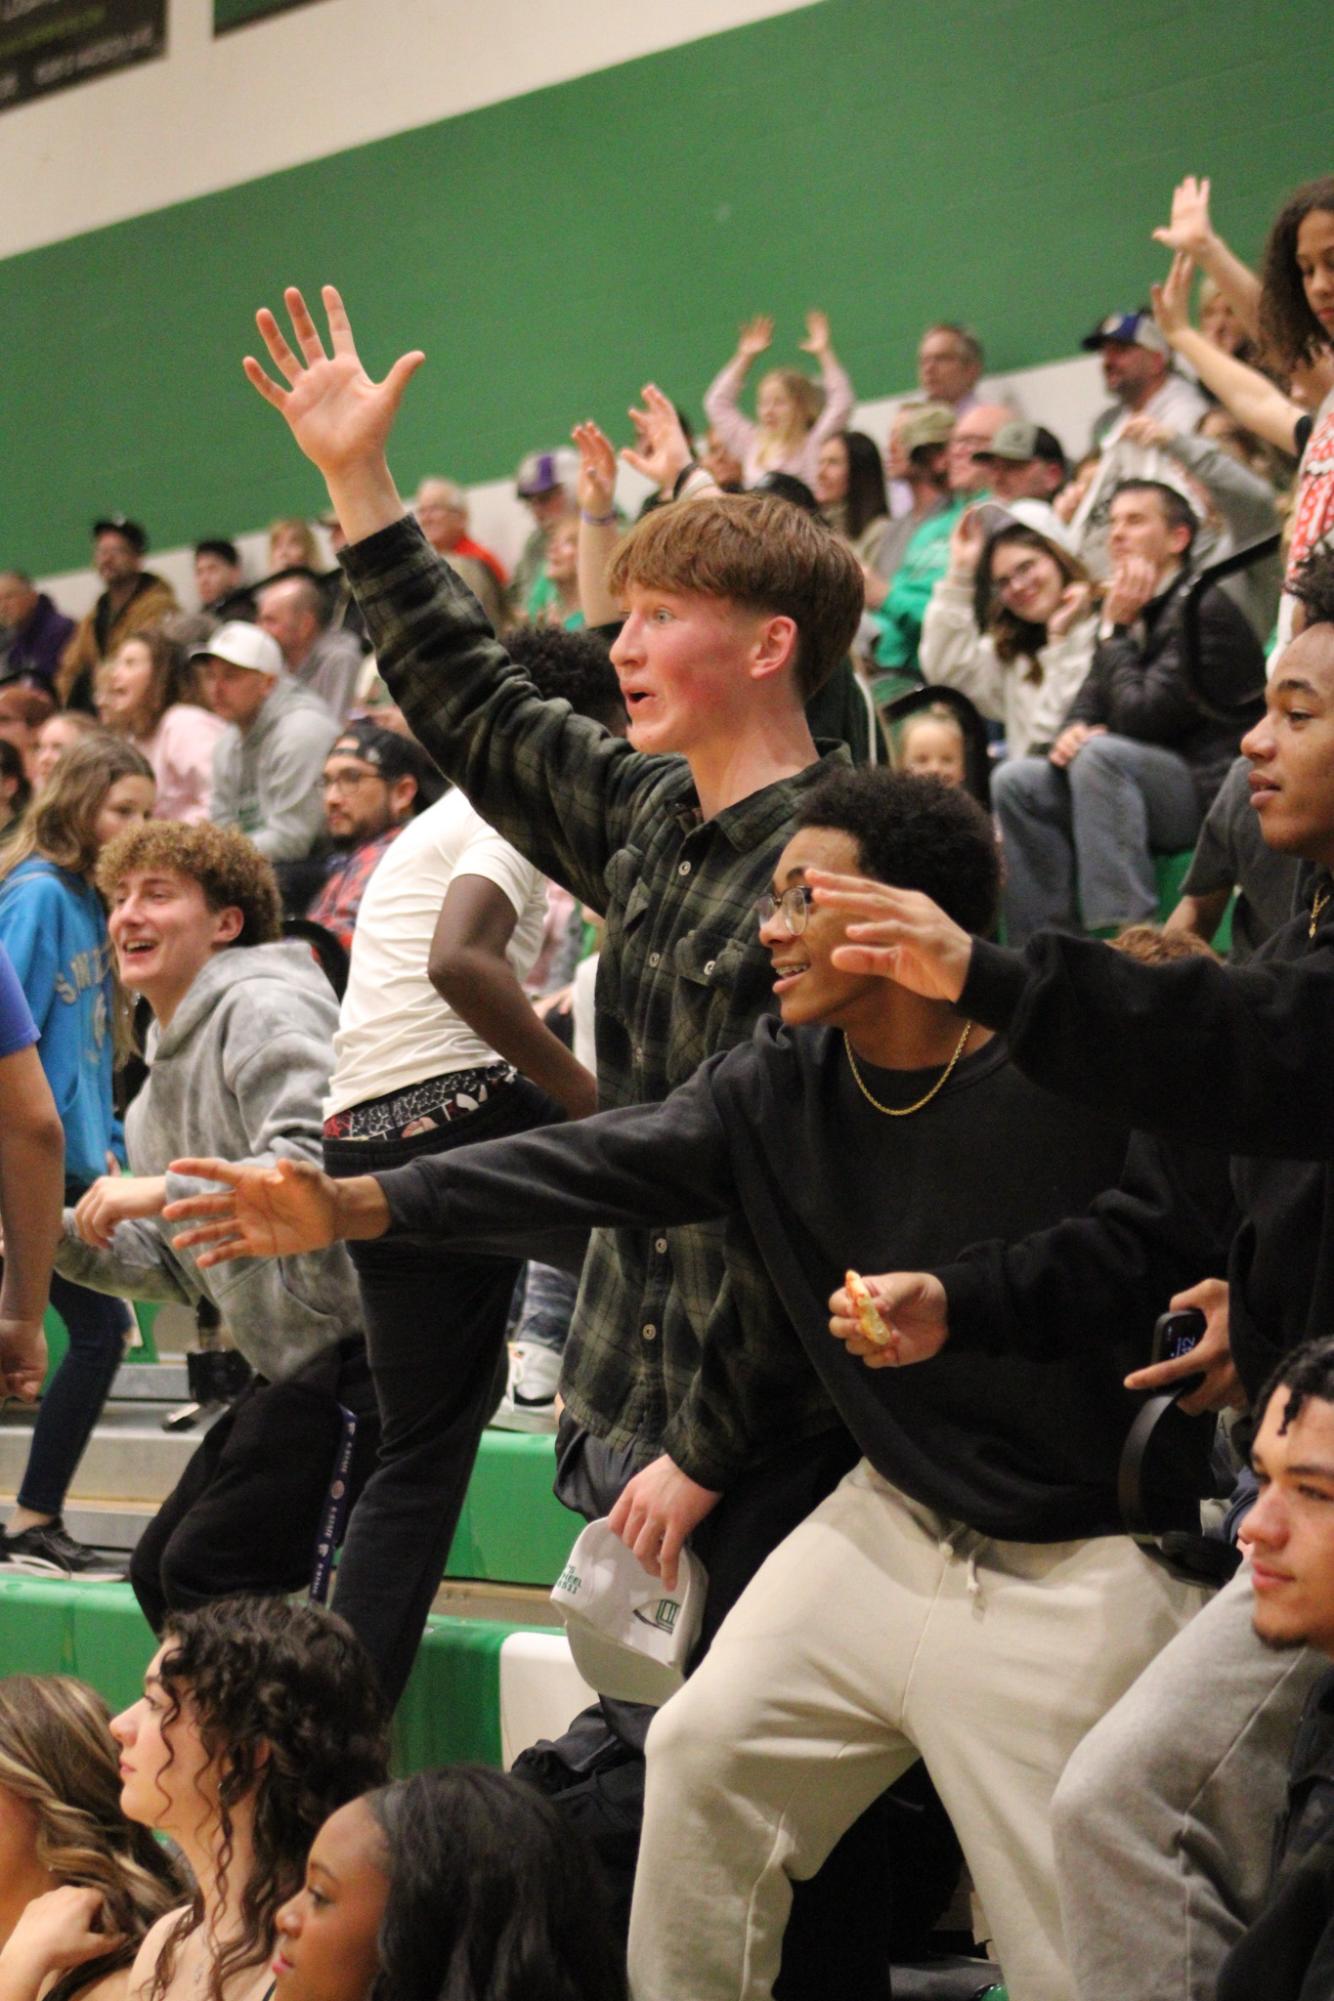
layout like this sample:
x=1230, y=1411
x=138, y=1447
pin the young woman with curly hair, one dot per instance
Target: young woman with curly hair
x=463, y=1882
x=258, y=1718
x=79, y=1884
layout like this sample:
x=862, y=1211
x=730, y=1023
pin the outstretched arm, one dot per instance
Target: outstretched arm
x=339, y=417
x=1251, y=397
x=1191, y=231
x=598, y=530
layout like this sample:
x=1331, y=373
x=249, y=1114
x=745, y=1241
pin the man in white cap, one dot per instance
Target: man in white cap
x=267, y=767
x=1137, y=368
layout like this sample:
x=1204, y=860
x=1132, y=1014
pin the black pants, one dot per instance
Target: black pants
x=244, y=1515
x=435, y=1331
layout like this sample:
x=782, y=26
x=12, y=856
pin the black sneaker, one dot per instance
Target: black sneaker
x=50, y=1551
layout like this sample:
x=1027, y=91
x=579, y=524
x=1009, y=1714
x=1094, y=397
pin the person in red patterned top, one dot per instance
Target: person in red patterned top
x=372, y=787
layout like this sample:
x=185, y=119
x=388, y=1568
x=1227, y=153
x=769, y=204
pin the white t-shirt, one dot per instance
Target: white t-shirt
x=393, y=1027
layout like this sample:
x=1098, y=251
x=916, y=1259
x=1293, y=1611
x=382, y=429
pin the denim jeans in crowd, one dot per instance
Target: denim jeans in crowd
x=1078, y=842
x=435, y=1331
x=98, y=1326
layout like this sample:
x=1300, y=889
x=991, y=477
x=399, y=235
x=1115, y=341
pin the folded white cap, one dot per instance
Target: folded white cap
x=630, y=1636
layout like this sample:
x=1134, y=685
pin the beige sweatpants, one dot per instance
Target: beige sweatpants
x=879, y=1632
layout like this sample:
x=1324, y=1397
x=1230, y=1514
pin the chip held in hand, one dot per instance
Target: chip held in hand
x=870, y=1321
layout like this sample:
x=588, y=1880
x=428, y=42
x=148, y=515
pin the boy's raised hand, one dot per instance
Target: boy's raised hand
x=597, y=470
x=660, y=450
x=339, y=417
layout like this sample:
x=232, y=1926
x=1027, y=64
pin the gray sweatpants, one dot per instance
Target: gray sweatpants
x=1163, y=1822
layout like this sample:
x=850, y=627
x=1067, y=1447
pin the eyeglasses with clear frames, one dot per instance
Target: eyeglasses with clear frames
x=794, y=903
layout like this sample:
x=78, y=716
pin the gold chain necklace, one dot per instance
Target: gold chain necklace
x=1318, y=902
x=906, y=1111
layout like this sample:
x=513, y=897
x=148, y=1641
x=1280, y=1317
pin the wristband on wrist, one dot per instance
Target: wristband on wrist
x=687, y=472
x=597, y=520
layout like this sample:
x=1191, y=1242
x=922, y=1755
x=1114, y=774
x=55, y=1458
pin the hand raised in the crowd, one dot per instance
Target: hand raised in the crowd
x=912, y=1305
x=114, y=1199
x=22, y=1357
x=1189, y=228
x=1148, y=432
x=968, y=538
x=660, y=450
x=262, y=1212
x=755, y=336
x=1171, y=299
x=1071, y=741
x=338, y=416
x=898, y=934
x=656, y=1512
x=1211, y=1356
x=597, y=470
x=1074, y=604
x=1132, y=584
x=817, y=334
x=875, y=588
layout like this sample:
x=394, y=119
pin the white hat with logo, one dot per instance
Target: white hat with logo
x=630, y=1636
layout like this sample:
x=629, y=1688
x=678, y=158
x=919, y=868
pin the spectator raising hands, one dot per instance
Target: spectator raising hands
x=794, y=417
x=1190, y=230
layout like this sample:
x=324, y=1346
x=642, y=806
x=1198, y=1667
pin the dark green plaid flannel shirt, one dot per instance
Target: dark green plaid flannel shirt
x=675, y=1346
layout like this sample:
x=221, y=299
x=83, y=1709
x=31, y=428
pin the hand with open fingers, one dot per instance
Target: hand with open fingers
x=660, y=450
x=1074, y=603
x=57, y=1931
x=22, y=1357
x=1171, y=299
x=281, y=1211
x=337, y=414
x=914, y=1310
x=755, y=336
x=1211, y=1356
x=1189, y=227
x=597, y=470
x=656, y=1512
x=114, y=1199
x=967, y=540
x=817, y=334
x=1071, y=741
x=898, y=934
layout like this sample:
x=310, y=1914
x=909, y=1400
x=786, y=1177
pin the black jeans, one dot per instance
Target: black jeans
x=435, y=1332
x=98, y=1326
x=244, y=1515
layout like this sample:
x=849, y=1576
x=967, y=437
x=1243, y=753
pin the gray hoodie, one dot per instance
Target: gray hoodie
x=240, y=1071
x=266, y=779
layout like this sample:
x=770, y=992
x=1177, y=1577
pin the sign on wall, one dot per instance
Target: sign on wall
x=47, y=45
x=236, y=13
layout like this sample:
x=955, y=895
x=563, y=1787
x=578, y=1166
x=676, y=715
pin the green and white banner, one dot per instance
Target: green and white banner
x=47, y=45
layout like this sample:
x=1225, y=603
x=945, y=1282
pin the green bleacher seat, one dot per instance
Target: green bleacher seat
x=513, y=1530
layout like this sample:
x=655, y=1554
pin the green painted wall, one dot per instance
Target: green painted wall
x=997, y=160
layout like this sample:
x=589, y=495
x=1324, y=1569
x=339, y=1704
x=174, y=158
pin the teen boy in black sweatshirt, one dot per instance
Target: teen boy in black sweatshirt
x=864, y=1122
x=1166, y=1813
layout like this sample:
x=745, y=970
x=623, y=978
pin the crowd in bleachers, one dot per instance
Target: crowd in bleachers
x=532, y=997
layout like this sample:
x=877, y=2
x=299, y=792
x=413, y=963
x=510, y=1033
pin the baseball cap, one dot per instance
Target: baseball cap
x=388, y=753
x=930, y=424
x=543, y=472
x=1018, y=441
x=1038, y=515
x=1135, y=329
x=118, y=524
x=630, y=1636
x=241, y=644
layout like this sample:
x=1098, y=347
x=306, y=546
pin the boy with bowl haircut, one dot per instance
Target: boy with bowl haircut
x=982, y=1529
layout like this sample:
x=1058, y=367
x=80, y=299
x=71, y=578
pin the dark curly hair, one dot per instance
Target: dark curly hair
x=228, y=868
x=573, y=666
x=914, y=833
x=493, y=1896
x=1291, y=332
x=286, y=1705
x=1313, y=587
x=1307, y=1372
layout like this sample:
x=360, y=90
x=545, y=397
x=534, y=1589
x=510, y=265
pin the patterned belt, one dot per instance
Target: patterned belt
x=421, y=1108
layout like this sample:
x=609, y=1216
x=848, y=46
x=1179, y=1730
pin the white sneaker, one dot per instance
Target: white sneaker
x=529, y=1402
